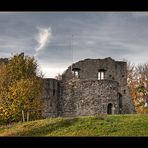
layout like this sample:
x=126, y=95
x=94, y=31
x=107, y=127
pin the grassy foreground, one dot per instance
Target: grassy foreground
x=103, y=125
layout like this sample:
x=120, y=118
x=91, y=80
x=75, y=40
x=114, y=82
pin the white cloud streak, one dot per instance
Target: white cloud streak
x=43, y=38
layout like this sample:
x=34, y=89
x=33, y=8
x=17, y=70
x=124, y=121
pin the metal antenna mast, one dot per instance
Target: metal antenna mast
x=72, y=51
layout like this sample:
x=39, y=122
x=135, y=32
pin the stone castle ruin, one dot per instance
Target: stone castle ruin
x=88, y=87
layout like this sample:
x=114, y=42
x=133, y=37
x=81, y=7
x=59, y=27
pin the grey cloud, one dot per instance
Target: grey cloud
x=95, y=35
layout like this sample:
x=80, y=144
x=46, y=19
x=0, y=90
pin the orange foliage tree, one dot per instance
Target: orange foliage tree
x=137, y=82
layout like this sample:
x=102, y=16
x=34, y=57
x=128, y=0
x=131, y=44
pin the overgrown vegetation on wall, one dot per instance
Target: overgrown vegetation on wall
x=20, y=89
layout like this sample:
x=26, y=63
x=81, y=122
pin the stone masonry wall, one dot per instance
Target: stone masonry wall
x=88, y=97
x=128, y=105
x=50, y=97
x=85, y=94
x=114, y=70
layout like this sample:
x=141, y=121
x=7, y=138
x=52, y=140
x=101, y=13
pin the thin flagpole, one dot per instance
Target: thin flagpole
x=71, y=45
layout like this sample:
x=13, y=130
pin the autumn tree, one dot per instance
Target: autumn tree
x=137, y=82
x=142, y=89
x=132, y=81
x=20, y=88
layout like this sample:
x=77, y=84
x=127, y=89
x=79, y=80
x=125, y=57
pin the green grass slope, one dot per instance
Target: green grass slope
x=103, y=125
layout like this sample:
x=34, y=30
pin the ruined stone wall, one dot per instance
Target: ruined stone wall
x=121, y=73
x=114, y=70
x=50, y=97
x=128, y=105
x=88, y=97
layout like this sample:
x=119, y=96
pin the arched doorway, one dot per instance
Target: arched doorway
x=109, y=108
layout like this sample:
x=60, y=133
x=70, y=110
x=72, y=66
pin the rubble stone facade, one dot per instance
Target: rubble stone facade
x=89, y=87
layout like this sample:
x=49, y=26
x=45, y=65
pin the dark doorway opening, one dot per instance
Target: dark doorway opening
x=109, y=108
x=120, y=103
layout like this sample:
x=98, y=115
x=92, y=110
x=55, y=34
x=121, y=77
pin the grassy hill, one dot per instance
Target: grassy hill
x=103, y=125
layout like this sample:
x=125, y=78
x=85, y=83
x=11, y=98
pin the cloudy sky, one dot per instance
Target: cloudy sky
x=57, y=39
